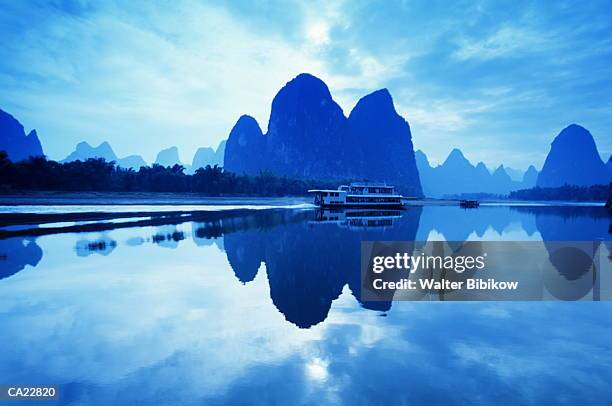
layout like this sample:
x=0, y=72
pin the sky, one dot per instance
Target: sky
x=496, y=79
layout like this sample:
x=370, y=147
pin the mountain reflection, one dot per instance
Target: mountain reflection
x=456, y=224
x=16, y=253
x=580, y=223
x=308, y=263
x=578, y=265
x=311, y=255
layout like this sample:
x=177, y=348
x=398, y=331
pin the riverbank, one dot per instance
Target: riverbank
x=141, y=198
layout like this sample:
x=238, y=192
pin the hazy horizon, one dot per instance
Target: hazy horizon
x=498, y=84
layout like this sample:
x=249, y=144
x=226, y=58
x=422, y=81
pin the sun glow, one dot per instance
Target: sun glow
x=318, y=33
x=316, y=369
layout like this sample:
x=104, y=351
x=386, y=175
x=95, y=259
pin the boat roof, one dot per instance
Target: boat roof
x=354, y=184
x=322, y=190
x=370, y=184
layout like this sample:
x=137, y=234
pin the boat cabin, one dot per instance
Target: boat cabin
x=358, y=195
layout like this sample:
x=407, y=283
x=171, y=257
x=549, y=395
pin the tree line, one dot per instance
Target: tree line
x=595, y=193
x=96, y=174
x=99, y=175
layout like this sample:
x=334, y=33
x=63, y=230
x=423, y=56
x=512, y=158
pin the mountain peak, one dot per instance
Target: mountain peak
x=15, y=142
x=455, y=157
x=499, y=169
x=10, y=125
x=573, y=133
x=245, y=147
x=573, y=160
x=307, y=79
x=83, y=145
x=305, y=123
x=84, y=151
x=456, y=152
x=105, y=149
x=247, y=121
x=304, y=85
x=482, y=169
x=380, y=96
x=378, y=103
x=530, y=177
x=168, y=157
x=501, y=176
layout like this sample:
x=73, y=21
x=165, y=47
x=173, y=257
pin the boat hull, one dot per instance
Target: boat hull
x=361, y=205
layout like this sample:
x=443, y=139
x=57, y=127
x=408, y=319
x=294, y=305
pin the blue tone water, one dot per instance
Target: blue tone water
x=264, y=309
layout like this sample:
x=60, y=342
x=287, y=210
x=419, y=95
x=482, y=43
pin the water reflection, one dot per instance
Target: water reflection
x=199, y=323
x=103, y=246
x=168, y=236
x=357, y=219
x=16, y=253
x=310, y=255
x=579, y=266
x=569, y=223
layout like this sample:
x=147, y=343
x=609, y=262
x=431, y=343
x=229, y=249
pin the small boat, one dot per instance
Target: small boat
x=469, y=204
x=358, y=195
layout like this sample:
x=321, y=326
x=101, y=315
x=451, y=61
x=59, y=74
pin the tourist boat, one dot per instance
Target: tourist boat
x=469, y=204
x=358, y=195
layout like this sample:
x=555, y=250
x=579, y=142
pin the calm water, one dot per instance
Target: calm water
x=264, y=309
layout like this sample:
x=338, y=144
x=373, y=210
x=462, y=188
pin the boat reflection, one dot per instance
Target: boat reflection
x=358, y=218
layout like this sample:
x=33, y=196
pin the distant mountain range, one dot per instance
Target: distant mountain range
x=456, y=175
x=84, y=151
x=309, y=137
x=166, y=157
x=14, y=140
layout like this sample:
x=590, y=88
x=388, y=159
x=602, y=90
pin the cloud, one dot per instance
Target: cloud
x=111, y=72
x=506, y=42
